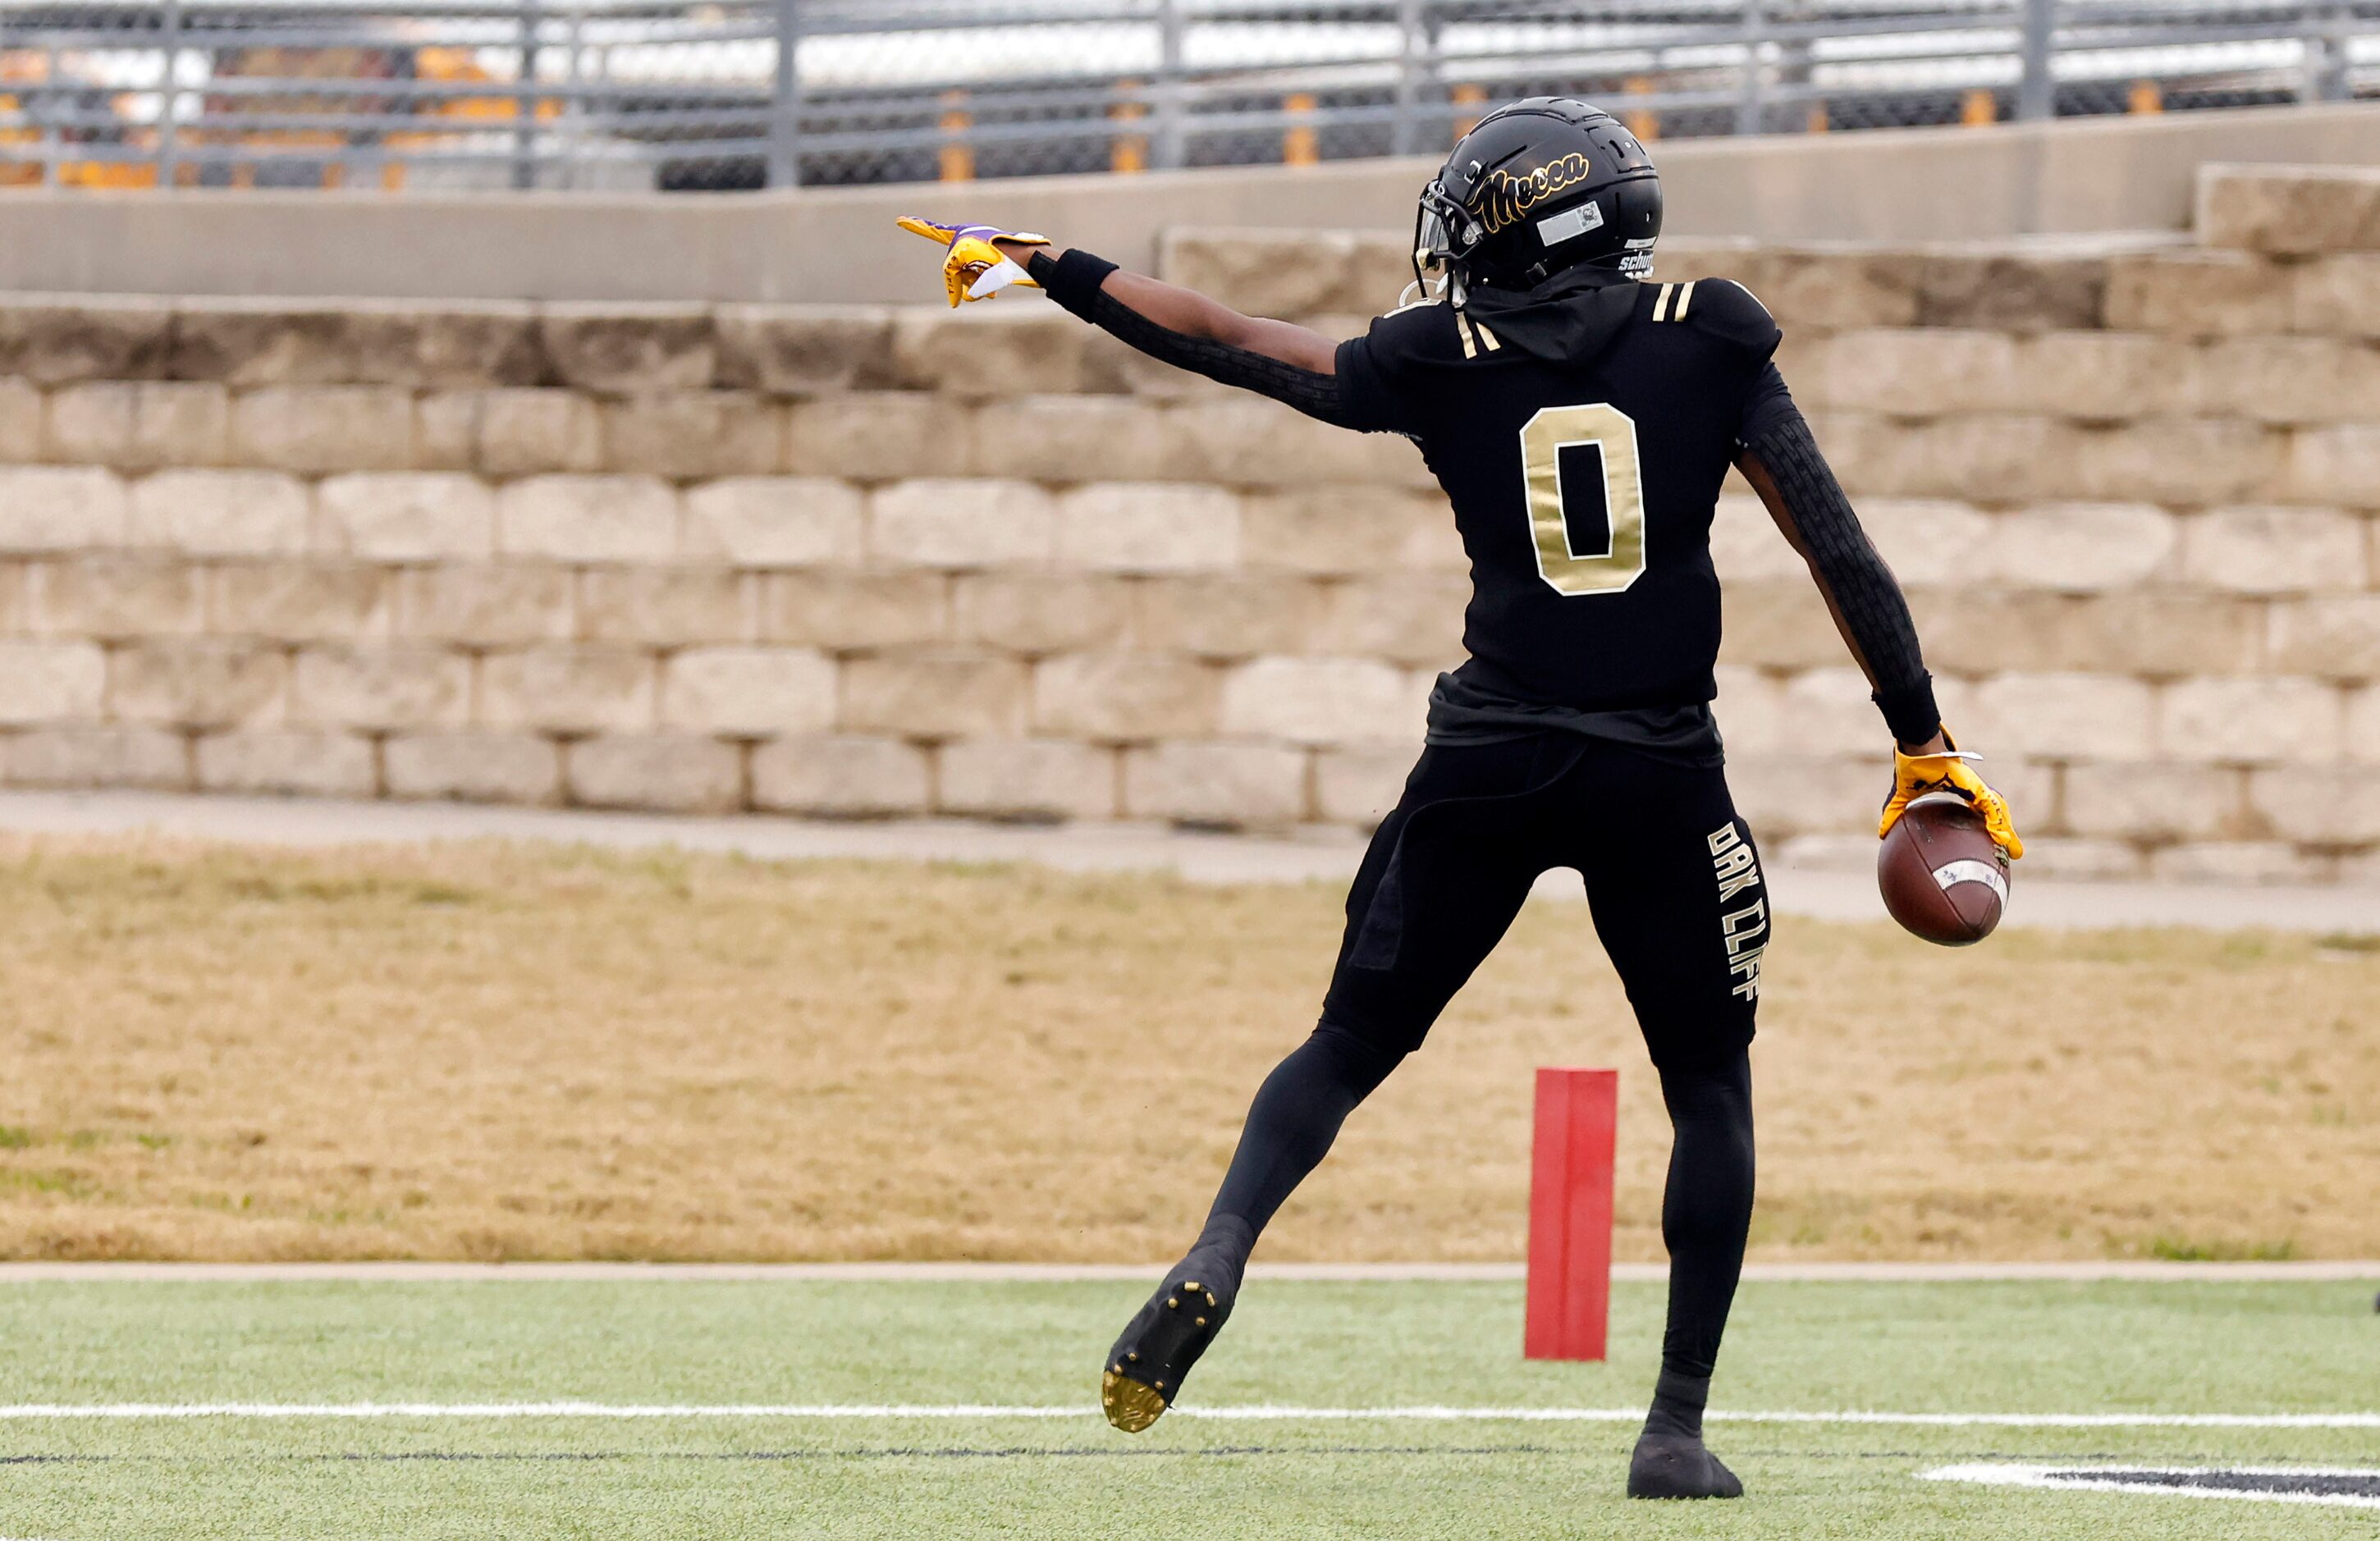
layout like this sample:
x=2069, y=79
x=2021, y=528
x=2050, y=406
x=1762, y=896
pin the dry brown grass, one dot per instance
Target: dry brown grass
x=491, y=1053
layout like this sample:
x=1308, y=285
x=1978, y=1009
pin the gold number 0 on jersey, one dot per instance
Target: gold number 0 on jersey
x=1613, y=433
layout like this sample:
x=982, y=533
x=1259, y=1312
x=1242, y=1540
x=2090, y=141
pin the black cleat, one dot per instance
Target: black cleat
x=1145, y=1368
x=1676, y=1466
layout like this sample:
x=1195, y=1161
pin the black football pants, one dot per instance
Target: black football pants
x=1678, y=898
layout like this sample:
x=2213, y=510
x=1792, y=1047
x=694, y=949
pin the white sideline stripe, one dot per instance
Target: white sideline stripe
x=1259, y=1413
x=1317, y=855
x=1636, y=1273
x=2006, y=1475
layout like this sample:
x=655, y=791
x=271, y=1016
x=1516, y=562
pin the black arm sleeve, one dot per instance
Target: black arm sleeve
x=1859, y=587
x=1768, y=404
x=1074, y=282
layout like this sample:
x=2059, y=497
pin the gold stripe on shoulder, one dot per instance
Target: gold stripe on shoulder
x=1685, y=297
x=1463, y=330
x=1486, y=336
x=1661, y=301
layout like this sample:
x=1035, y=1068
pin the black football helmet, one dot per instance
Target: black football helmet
x=1540, y=185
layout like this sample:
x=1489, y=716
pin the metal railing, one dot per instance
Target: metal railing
x=741, y=93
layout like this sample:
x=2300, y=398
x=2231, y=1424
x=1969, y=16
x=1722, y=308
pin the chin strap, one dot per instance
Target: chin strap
x=1420, y=289
x=1477, y=339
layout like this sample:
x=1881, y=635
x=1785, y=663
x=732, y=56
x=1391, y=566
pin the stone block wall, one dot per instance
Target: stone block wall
x=865, y=563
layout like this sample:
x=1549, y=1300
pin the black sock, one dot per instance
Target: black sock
x=1219, y=1258
x=1705, y=1214
x=1678, y=1403
x=1295, y=1116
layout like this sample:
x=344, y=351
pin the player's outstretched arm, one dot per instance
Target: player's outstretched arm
x=1782, y=462
x=1169, y=308
x=1289, y=363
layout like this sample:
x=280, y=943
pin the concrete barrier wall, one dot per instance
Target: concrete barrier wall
x=870, y=562
x=838, y=245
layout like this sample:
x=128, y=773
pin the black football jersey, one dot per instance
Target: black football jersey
x=1583, y=483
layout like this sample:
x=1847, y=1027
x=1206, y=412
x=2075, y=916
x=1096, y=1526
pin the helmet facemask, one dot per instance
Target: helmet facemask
x=1444, y=232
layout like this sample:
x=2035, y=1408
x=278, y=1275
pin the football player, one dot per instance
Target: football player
x=1581, y=418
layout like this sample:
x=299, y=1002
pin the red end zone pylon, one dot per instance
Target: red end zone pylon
x=1570, y=1214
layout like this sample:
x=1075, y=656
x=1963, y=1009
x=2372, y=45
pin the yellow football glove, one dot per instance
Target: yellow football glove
x=975, y=268
x=1915, y=775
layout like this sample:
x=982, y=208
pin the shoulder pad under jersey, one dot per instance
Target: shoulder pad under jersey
x=1719, y=308
x=1422, y=329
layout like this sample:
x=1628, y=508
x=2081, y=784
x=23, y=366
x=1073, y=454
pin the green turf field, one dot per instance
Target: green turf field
x=2012, y=1348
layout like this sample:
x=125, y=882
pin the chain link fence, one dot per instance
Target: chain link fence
x=728, y=94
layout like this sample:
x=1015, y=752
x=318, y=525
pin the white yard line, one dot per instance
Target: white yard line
x=1317, y=855
x=993, y=1412
x=977, y=1273
x=2074, y=1479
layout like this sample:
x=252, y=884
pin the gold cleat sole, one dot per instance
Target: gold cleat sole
x=1129, y=1405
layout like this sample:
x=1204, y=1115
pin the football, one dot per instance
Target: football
x=1942, y=877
